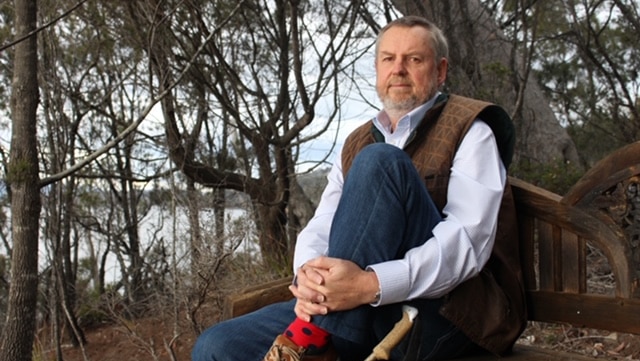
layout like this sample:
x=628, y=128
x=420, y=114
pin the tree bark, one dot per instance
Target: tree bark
x=19, y=328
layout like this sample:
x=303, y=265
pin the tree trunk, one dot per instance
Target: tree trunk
x=19, y=328
x=271, y=221
x=69, y=270
x=300, y=211
x=484, y=65
x=195, y=233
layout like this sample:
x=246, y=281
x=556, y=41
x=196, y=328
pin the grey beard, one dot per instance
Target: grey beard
x=404, y=106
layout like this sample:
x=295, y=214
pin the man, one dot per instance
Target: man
x=380, y=239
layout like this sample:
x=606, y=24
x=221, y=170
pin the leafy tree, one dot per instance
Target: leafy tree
x=90, y=95
x=588, y=59
x=492, y=43
x=91, y=108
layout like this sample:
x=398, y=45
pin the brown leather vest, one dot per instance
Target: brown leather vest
x=489, y=308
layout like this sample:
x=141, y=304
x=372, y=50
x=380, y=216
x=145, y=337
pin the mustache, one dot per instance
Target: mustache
x=399, y=80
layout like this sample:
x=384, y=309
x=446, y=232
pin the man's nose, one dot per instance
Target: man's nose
x=399, y=66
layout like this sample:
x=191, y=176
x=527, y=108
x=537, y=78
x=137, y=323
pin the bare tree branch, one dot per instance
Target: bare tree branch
x=45, y=26
x=143, y=115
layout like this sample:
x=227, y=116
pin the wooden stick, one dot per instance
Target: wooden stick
x=382, y=351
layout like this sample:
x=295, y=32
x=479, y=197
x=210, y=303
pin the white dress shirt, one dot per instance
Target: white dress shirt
x=461, y=242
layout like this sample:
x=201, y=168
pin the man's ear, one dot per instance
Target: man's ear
x=443, y=66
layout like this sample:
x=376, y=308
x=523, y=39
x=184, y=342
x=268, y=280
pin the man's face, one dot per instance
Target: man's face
x=407, y=74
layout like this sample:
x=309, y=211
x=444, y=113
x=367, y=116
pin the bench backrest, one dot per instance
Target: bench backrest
x=562, y=237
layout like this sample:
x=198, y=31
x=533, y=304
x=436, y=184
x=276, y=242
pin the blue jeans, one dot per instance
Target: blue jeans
x=385, y=210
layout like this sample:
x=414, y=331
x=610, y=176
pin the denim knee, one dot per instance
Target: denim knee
x=247, y=337
x=382, y=152
x=208, y=344
x=380, y=157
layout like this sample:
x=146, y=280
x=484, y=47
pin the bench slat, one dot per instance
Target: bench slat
x=526, y=229
x=573, y=263
x=585, y=310
x=548, y=245
x=256, y=297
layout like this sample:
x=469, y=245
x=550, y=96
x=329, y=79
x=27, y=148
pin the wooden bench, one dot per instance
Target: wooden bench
x=558, y=237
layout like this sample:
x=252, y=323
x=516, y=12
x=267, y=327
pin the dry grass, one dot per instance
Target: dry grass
x=162, y=338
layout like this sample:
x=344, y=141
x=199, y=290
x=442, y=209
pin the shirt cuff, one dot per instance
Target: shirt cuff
x=394, y=280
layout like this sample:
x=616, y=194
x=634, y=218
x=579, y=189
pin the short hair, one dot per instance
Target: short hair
x=437, y=39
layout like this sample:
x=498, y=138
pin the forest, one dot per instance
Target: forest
x=158, y=154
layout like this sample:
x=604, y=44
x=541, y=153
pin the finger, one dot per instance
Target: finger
x=301, y=313
x=309, y=288
x=324, y=263
x=306, y=308
x=307, y=294
x=315, y=277
x=312, y=275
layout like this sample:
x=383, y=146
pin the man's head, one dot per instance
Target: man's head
x=411, y=64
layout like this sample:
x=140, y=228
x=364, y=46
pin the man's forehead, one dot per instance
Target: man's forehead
x=405, y=39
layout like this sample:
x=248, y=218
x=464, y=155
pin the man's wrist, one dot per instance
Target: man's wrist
x=376, y=297
x=378, y=292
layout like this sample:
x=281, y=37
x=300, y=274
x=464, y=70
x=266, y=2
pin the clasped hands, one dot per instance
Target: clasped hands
x=327, y=284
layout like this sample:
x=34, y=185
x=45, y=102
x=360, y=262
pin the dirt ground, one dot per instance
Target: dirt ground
x=148, y=339
x=158, y=338
x=595, y=343
x=141, y=340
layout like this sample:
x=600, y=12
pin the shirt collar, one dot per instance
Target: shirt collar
x=412, y=119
